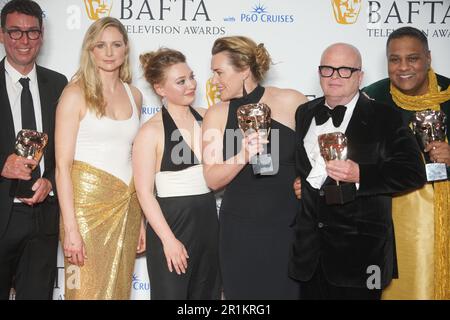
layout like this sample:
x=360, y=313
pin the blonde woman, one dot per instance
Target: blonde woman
x=96, y=122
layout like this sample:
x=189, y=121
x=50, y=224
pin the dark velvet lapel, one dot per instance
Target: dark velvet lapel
x=6, y=118
x=357, y=130
x=45, y=93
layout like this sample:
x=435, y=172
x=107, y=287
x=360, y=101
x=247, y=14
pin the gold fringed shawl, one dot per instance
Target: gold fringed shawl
x=432, y=100
x=108, y=216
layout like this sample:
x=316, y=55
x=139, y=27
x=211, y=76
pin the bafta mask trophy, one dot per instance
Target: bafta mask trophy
x=429, y=126
x=255, y=117
x=29, y=144
x=333, y=146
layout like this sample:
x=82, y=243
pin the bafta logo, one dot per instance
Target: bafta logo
x=97, y=9
x=212, y=94
x=346, y=11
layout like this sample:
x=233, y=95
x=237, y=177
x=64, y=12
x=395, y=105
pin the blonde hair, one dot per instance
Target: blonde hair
x=87, y=76
x=244, y=52
x=155, y=64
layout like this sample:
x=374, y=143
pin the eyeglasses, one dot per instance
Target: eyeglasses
x=343, y=72
x=17, y=34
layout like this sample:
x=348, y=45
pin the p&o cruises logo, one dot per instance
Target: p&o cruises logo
x=346, y=11
x=139, y=285
x=260, y=13
x=97, y=9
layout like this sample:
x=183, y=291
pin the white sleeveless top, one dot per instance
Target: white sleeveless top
x=106, y=143
x=186, y=182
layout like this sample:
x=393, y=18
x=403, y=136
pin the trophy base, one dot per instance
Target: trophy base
x=22, y=189
x=436, y=171
x=340, y=194
x=263, y=165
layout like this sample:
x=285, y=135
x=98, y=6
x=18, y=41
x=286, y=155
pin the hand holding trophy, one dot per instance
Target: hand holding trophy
x=255, y=117
x=429, y=126
x=333, y=146
x=29, y=144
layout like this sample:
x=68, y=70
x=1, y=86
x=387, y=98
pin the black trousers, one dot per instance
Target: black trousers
x=28, y=251
x=318, y=288
x=193, y=220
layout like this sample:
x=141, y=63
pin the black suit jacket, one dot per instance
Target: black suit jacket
x=348, y=239
x=50, y=85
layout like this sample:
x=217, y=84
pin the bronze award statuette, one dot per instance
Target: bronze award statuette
x=333, y=146
x=29, y=144
x=255, y=117
x=429, y=126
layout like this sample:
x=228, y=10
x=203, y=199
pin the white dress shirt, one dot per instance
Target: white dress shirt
x=318, y=174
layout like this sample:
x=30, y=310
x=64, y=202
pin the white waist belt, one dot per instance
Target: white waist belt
x=185, y=182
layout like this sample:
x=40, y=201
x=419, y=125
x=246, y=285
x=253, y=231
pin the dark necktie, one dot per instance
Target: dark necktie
x=323, y=113
x=26, y=103
x=28, y=117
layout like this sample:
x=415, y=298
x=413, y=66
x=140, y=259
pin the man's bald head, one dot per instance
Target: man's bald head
x=343, y=49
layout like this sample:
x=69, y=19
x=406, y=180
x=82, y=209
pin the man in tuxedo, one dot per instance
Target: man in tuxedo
x=346, y=249
x=29, y=94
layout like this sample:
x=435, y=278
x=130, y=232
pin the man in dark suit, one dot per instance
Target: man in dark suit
x=347, y=250
x=420, y=216
x=29, y=94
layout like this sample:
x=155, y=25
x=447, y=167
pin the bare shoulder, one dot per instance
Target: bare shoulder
x=72, y=98
x=155, y=120
x=287, y=97
x=72, y=90
x=216, y=113
x=137, y=95
x=201, y=111
x=152, y=128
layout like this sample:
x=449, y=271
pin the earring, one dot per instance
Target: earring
x=244, y=92
x=164, y=102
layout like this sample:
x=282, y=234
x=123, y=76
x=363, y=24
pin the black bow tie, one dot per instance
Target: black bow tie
x=323, y=113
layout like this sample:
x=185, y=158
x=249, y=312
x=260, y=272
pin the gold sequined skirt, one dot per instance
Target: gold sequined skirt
x=108, y=215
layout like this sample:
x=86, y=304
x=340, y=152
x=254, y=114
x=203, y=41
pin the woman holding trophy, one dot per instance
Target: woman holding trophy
x=182, y=239
x=255, y=168
x=96, y=122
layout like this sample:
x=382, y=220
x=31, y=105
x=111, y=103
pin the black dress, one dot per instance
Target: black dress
x=192, y=218
x=255, y=218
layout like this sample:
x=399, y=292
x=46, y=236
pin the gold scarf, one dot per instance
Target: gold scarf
x=432, y=100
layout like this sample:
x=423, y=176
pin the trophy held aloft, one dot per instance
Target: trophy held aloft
x=255, y=117
x=30, y=144
x=428, y=126
x=333, y=146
